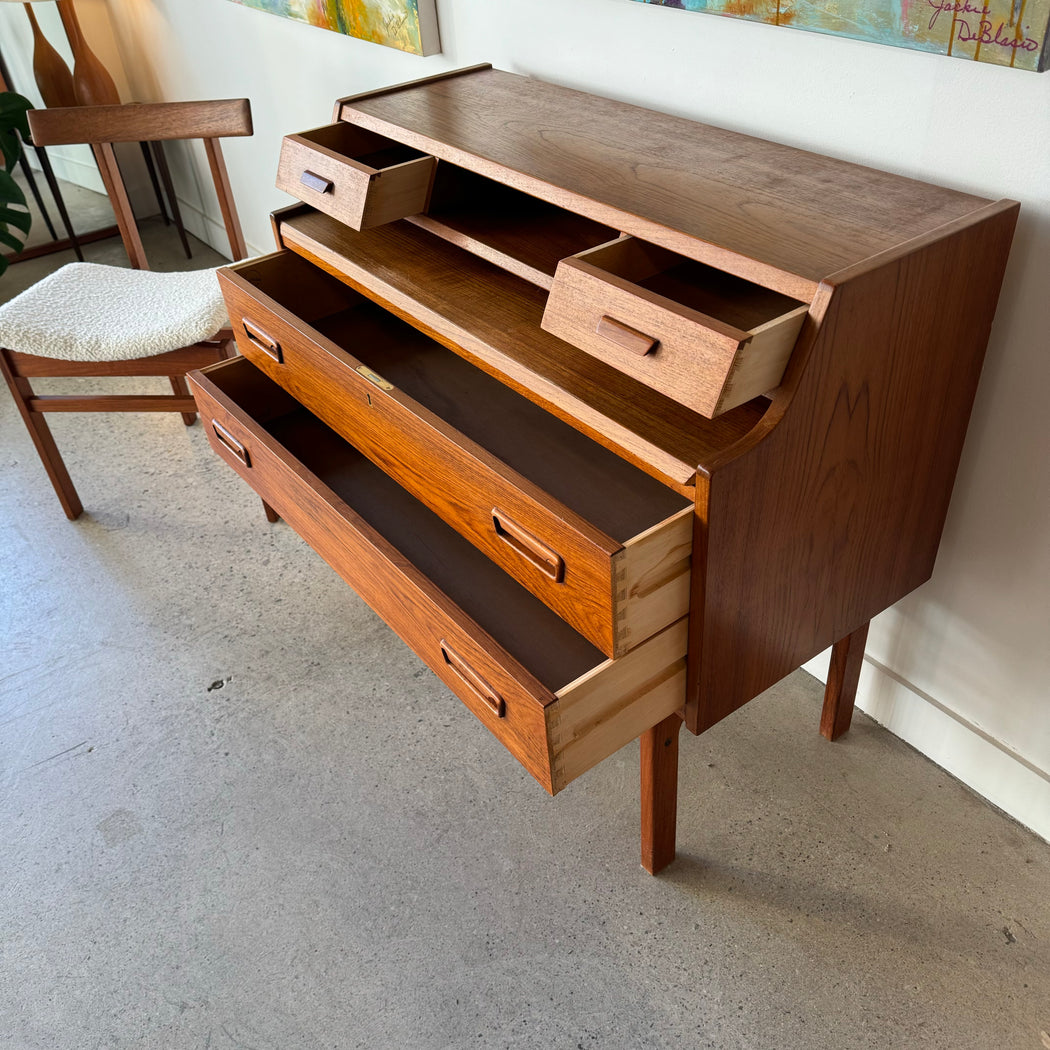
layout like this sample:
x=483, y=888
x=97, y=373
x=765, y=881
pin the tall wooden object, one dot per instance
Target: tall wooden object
x=92, y=84
x=51, y=73
x=673, y=409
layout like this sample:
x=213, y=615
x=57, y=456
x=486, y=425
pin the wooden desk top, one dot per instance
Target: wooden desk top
x=782, y=216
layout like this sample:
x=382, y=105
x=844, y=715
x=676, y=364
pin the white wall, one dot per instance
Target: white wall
x=961, y=668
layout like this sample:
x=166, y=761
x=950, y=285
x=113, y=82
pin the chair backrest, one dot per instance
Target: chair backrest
x=101, y=126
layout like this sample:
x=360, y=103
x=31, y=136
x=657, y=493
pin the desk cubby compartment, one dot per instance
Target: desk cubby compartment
x=603, y=544
x=357, y=176
x=552, y=698
x=517, y=232
x=708, y=339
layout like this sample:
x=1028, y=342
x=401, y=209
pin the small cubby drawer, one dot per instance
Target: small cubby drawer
x=704, y=337
x=553, y=700
x=357, y=176
x=598, y=541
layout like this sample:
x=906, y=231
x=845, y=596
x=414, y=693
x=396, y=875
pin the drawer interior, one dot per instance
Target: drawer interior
x=613, y=495
x=523, y=234
x=366, y=148
x=451, y=291
x=694, y=285
x=522, y=624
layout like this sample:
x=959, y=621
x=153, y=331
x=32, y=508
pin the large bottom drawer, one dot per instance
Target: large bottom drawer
x=554, y=700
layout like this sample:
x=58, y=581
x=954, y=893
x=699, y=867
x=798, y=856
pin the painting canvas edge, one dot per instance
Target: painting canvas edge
x=426, y=27
x=994, y=37
x=429, y=37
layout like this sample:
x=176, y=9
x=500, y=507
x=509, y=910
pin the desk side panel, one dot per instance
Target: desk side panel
x=833, y=509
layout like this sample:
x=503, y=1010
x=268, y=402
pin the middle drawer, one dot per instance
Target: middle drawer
x=597, y=540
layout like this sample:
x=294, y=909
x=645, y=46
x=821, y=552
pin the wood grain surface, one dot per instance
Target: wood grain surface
x=842, y=492
x=683, y=353
x=847, y=658
x=659, y=791
x=777, y=215
x=617, y=702
x=449, y=294
x=363, y=179
x=435, y=590
x=523, y=234
x=141, y=122
x=456, y=439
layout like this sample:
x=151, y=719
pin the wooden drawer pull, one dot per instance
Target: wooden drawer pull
x=549, y=562
x=473, y=681
x=231, y=443
x=316, y=182
x=265, y=342
x=626, y=337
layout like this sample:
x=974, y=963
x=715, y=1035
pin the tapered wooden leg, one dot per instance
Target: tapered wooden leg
x=271, y=515
x=169, y=188
x=659, y=793
x=178, y=384
x=46, y=448
x=56, y=193
x=847, y=655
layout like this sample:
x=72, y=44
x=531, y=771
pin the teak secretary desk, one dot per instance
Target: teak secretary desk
x=615, y=418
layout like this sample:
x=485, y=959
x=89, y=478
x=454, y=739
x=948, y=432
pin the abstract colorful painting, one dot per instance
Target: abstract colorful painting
x=1004, y=32
x=409, y=25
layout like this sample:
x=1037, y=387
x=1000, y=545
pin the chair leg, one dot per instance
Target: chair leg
x=46, y=448
x=271, y=515
x=847, y=655
x=173, y=200
x=178, y=384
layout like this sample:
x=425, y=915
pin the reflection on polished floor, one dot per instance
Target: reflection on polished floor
x=239, y=812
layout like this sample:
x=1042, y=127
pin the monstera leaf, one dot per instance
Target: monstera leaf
x=14, y=129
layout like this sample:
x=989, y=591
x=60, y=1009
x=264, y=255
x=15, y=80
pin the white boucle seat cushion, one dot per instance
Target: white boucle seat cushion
x=91, y=312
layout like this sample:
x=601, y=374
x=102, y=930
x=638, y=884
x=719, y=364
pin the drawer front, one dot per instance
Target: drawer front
x=350, y=189
x=558, y=556
x=555, y=735
x=684, y=356
x=700, y=361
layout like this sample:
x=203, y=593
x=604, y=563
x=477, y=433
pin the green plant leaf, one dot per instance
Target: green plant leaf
x=13, y=211
x=10, y=240
x=14, y=131
x=13, y=110
x=21, y=220
x=13, y=123
x=10, y=191
x=11, y=148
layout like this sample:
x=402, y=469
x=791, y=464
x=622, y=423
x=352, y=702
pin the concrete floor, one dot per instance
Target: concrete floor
x=238, y=812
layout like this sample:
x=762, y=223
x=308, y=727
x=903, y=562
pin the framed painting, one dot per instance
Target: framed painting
x=1003, y=32
x=409, y=25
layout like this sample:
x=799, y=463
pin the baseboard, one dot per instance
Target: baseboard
x=988, y=766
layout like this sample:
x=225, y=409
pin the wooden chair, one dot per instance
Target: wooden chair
x=87, y=319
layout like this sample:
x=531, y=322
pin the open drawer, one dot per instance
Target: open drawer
x=553, y=699
x=357, y=176
x=708, y=339
x=597, y=540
